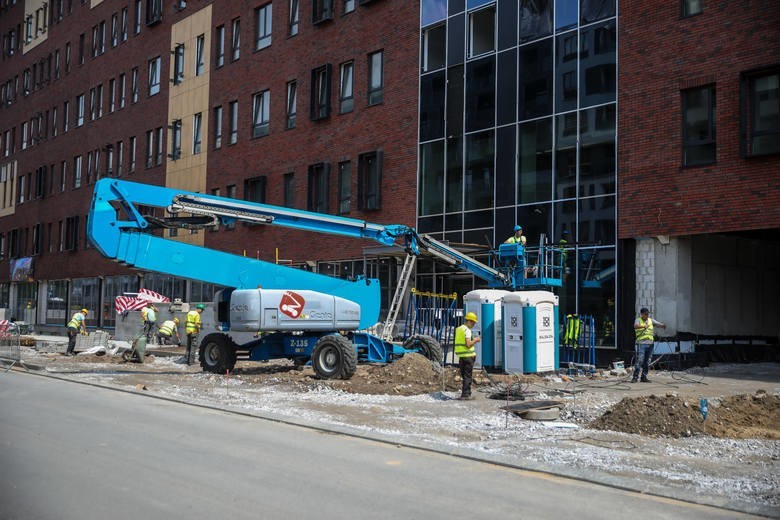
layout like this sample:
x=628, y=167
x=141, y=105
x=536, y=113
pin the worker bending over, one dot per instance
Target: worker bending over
x=168, y=331
x=77, y=324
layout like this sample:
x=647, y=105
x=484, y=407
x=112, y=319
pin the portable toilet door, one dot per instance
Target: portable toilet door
x=486, y=304
x=530, y=332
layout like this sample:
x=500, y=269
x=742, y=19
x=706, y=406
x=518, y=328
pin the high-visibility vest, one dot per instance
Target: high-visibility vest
x=148, y=314
x=514, y=240
x=76, y=320
x=193, y=322
x=645, y=335
x=461, y=348
x=572, y=333
x=167, y=328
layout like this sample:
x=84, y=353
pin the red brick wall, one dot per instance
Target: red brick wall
x=390, y=127
x=660, y=54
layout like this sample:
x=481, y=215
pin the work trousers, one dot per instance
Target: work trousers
x=191, y=340
x=466, y=365
x=72, y=333
x=642, y=359
x=163, y=339
x=148, y=328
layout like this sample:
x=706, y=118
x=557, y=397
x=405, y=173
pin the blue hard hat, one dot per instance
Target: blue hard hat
x=518, y=228
x=565, y=231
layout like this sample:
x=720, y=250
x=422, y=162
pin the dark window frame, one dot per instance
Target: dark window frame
x=320, y=92
x=689, y=142
x=748, y=107
x=370, y=181
x=322, y=11
x=255, y=189
x=318, y=187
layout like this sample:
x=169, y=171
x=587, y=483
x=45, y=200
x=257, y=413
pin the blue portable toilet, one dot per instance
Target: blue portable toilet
x=530, y=332
x=486, y=304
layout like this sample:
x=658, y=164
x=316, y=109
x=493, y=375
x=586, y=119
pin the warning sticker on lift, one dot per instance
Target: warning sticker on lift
x=291, y=304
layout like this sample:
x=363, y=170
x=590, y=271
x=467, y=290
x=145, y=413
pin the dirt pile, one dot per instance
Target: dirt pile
x=736, y=417
x=412, y=374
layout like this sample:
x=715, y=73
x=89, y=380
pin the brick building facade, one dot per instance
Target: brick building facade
x=198, y=95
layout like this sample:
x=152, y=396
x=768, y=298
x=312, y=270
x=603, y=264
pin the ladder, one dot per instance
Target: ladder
x=398, y=297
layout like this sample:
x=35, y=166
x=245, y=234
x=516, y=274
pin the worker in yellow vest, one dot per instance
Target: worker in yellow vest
x=464, y=349
x=76, y=325
x=643, y=327
x=192, y=328
x=168, y=331
x=517, y=238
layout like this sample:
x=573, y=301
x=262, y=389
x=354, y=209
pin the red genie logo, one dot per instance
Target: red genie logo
x=291, y=304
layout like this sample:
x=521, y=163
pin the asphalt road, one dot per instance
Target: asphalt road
x=75, y=451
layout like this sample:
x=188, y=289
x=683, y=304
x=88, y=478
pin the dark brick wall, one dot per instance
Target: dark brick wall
x=390, y=127
x=660, y=54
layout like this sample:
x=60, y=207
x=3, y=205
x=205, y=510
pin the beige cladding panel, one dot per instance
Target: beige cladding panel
x=7, y=188
x=185, y=100
x=34, y=25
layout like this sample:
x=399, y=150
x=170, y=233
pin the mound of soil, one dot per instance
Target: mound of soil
x=412, y=374
x=736, y=417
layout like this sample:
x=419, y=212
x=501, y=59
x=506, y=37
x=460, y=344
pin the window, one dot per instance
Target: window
x=263, y=26
x=233, y=115
x=434, y=48
x=65, y=116
x=320, y=93
x=175, y=140
x=114, y=29
x=254, y=189
x=482, y=31
x=121, y=93
x=323, y=10
x=134, y=86
x=79, y=110
x=318, y=187
x=138, y=16
x=690, y=7
x=178, y=65
x=219, y=46
x=123, y=30
x=110, y=160
x=760, y=122
x=236, y=40
x=375, y=78
x=197, y=132
x=289, y=190
x=77, y=172
x=71, y=234
x=294, y=17
x=260, y=113
x=149, y=148
x=99, y=39
x=218, y=127
x=54, y=121
x=292, y=102
x=56, y=64
x=698, y=125
x=349, y=6
x=132, y=152
x=111, y=95
x=200, y=49
x=153, y=11
x=345, y=189
x=369, y=180
x=24, y=135
x=120, y=158
x=154, y=76
x=99, y=101
x=346, y=99
x=67, y=57
x=158, y=151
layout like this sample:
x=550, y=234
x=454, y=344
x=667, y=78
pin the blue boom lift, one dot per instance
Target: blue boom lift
x=301, y=314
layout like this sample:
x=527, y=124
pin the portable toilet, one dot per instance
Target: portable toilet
x=486, y=304
x=530, y=332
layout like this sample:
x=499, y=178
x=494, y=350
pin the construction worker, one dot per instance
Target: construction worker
x=192, y=328
x=517, y=238
x=464, y=349
x=643, y=327
x=149, y=317
x=76, y=325
x=167, y=331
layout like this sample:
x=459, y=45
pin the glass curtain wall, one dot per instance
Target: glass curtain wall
x=85, y=294
x=57, y=303
x=518, y=113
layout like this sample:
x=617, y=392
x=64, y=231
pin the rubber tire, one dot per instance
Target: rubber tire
x=429, y=347
x=216, y=354
x=334, y=357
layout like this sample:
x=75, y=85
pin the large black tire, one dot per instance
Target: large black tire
x=428, y=346
x=334, y=357
x=217, y=354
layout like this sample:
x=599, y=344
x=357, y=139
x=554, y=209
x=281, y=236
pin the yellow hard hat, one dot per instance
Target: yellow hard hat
x=84, y=311
x=470, y=316
x=176, y=321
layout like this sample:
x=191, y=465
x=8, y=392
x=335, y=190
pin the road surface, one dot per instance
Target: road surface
x=76, y=451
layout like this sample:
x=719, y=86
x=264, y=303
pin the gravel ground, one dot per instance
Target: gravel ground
x=744, y=472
